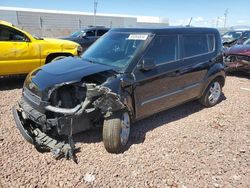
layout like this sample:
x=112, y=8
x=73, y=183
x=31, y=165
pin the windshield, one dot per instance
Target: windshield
x=115, y=49
x=77, y=34
x=232, y=35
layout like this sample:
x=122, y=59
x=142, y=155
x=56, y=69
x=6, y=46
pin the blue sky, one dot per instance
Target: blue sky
x=204, y=12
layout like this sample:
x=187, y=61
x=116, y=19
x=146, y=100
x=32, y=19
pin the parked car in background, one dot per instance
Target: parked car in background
x=87, y=36
x=126, y=75
x=21, y=52
x=237, y=58
x=235, y=37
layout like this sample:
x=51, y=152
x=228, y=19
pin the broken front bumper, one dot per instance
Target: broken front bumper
x=42, y=141
x=51, y=127
x=22, y=127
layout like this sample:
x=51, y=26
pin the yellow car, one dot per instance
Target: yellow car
x=21, y=52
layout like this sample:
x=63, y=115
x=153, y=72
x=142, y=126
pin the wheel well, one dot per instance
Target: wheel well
x=221, y=79
x=50, y=57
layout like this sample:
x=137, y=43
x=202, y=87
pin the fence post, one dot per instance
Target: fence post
x=41, y=25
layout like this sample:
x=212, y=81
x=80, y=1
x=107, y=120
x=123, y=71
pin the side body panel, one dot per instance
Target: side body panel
x=173, y=83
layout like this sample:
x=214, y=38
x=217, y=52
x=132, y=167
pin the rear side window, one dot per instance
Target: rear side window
x=195, y=45
x=211, y=42
x=163, y=49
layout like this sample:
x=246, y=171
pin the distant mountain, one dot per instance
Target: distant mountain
x=240, y=27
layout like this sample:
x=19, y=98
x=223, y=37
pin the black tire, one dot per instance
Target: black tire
x=113, y=128
x=206, y=97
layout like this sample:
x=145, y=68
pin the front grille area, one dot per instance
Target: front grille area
x=233, y=58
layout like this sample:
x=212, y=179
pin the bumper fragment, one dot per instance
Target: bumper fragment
x=42, y=141
x=21, y=125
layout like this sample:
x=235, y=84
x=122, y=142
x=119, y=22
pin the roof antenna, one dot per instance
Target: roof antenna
x=190, y=21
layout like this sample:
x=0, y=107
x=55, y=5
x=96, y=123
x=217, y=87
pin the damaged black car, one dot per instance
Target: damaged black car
x=127, y=75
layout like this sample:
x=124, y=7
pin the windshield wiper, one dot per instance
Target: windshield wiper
x=116, y=69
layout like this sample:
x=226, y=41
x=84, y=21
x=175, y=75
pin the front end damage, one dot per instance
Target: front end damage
x=235, y=62
x=70, y=108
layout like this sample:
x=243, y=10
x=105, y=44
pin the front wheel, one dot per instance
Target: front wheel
x=116, y=130
x=212, y=94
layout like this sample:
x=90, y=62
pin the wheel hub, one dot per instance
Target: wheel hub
x=215, y=92
x=125, y=128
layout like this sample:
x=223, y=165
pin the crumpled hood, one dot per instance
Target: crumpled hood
x=239, y=50
x=228, y=39
x=65, y=70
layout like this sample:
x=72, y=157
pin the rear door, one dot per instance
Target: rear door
x=197, y=57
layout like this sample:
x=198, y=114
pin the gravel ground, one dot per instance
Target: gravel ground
x=188, y=146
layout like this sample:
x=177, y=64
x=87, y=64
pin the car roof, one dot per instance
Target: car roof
x=168, y=30
x=91, y=28
x=239, y=30
x=6, y=23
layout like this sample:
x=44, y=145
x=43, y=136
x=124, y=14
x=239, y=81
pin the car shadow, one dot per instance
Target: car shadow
x=139, y=129
x=89, y=136
x=11, y=82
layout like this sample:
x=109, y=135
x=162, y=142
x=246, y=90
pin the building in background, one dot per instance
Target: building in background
x=54, y=23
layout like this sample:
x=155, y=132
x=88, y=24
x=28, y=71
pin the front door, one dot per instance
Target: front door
x=156, y=89
x=18, y=53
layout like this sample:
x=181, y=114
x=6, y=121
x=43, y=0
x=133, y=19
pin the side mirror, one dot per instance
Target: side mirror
x=146, y=64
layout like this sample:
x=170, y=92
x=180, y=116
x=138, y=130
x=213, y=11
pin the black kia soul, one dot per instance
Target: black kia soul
x=127, y=75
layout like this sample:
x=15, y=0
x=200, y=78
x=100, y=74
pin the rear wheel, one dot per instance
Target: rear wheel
x=116, y=132
x=212, y=94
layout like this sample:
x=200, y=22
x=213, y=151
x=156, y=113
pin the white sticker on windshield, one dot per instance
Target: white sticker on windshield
x=137, y=37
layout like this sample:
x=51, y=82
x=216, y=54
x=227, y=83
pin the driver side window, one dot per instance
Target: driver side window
x=163, y=49
x=9, y=34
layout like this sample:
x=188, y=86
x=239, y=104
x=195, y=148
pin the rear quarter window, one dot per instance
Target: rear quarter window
x=211, y=42
x=194, y=45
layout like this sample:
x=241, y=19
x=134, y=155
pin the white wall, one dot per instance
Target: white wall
x=57, y=24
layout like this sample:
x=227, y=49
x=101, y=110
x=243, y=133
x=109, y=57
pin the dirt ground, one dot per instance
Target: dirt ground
x=187, y=146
